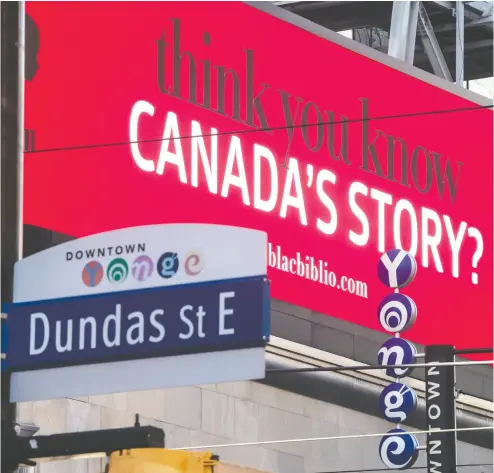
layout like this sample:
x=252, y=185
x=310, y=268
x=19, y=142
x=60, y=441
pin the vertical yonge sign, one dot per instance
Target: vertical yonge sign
x=397, y=313
x=223, y=139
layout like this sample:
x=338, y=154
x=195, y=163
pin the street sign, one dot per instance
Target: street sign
x=139, y=308
x=440, y=403
x=137, y=324
x=396, y=313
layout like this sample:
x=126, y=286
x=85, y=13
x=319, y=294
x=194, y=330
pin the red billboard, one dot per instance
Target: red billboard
x=143, y=113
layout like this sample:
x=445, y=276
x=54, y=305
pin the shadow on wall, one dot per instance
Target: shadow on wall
x=37, y=239
x=32, y=48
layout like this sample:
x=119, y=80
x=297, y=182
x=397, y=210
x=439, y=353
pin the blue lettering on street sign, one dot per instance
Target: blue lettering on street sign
x=190, y=318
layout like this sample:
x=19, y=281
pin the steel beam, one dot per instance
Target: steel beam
x=460, y=43
x=488, y=10
x=446, y=5
x=486, y=22
x=431, y=46
x=478, y=17
x=403, y=30
x=309, y=6
x=286, y=2
x=483, y=21
x=483, y=8
x=483, y=43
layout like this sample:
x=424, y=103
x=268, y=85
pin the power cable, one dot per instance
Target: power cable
x=375, y=367
x=257, y=130
x=470, y=351
x=411, y=468
x=336, y=437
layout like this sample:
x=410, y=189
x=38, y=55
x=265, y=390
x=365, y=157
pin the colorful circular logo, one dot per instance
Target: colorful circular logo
x=396, y=268
x=142, y=267
x=399, y=451
x=397, y=351
x=167, y=265
x=397, y=313
x=397, y=402
x=92, y=274
x=117, y=270
x=193, y=263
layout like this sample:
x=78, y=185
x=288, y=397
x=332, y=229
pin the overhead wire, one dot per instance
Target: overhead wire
x=372, y=470
x=335, y=437
x=375, y=367
x=470, y=351
x=257, y=130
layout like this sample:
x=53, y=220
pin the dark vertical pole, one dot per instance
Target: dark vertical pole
x=440, y=409
x=11, y=184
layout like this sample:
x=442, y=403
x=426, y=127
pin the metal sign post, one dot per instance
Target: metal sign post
x=12, y=153
x=441, y=409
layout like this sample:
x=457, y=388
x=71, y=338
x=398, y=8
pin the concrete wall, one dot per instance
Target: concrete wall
x=359, y=343
x=229, y=413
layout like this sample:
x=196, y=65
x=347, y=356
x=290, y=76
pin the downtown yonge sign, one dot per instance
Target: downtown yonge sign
x=127, y=306
x=217, y=120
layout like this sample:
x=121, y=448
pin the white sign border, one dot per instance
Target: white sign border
x=147, y=374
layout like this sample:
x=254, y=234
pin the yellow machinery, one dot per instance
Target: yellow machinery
x=161, y=460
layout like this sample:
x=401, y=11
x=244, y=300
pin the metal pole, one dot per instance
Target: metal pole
x=12, y=144
x=79, y=445
x=440, y=403
x=460, y=42
x=455, y=396
x=21, y=46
